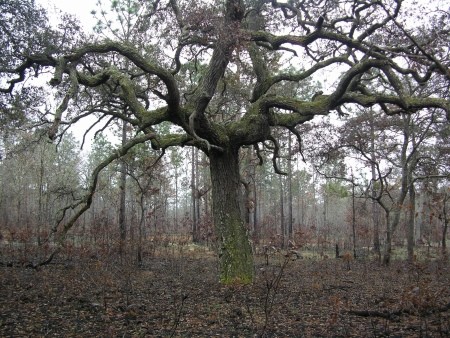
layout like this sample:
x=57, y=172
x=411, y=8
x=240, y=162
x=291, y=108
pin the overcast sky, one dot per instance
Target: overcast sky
x=80, y=8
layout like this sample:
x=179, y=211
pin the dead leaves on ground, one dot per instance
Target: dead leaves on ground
x=180, y=297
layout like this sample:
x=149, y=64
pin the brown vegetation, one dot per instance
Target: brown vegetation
x=175, y=293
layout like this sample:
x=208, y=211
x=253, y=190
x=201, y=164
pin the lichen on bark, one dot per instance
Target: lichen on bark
x=235, y=252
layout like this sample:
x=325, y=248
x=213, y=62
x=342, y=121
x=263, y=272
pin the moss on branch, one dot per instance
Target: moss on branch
x=408, y=103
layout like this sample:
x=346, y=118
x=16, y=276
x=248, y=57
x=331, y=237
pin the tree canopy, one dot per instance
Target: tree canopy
x=218, y=72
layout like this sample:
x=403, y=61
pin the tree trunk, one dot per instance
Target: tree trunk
x=391, y=225
x=175, y=216
x=235, y=252
x=198, y=195
x=122, y=187
x=256, y=226
x=375, y=210
x=195, y=229
x=388, y=247
x=408, y=163
x=40, y=203
x=353, y=217
x=282, y=220
x=289, y=182
x=411, y=222
x=141, y=227
x=445, y=227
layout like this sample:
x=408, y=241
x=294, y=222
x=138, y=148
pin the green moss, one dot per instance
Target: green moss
x=236, y=259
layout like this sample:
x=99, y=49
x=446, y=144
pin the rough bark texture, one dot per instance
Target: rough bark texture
x=235, y=252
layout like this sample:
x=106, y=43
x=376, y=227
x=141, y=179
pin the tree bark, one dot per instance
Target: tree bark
x=195, y=229
x=353, y=217
x=392, y=223
x=289, y=182
x=122, y=187
x=388, y=247
x=445, y=227
x=411, y=222
x=282, y=220
x=375, y=210
x=235, y=252
x=407, y=163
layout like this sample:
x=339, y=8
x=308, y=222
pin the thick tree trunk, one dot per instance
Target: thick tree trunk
x=235, y=252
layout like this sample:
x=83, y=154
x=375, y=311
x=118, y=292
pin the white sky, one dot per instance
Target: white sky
x=80, y=8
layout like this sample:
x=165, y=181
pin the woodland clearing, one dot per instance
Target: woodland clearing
x=175, y=293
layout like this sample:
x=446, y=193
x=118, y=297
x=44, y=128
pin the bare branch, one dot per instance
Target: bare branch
x=276, y=155
x=85, y=202
x=71, y=93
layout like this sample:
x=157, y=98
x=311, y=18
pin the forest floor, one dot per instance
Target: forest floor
x=177, y=295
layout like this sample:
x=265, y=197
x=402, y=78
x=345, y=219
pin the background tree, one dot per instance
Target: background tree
x=38, y=180
x=396, y=153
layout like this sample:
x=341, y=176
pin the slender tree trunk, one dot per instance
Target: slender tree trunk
x=235, y=252
x=353, y=217
x=314, y=202
x=282, y=220
x=141, y=227
x=258, y=199
x=247, y=178
x=247, y=203
x=198, y=196
x=375, y=209
x=391, y=224
x=411, y=191
x=324, y=212
x=445, y=219
x=195, y=232
x=256, y=226
x=289, y=179
x=122, y=187
x=411, y=223
x=406, y=181
x=175, y=217
x=388, y=246
x=40, y=203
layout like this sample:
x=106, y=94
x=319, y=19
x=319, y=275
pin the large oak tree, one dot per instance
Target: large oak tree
x=215, y=70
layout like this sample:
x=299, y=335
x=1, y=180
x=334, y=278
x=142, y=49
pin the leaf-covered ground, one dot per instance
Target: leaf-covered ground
x=178, y=296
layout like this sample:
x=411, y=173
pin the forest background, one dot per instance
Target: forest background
x=343, y=175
